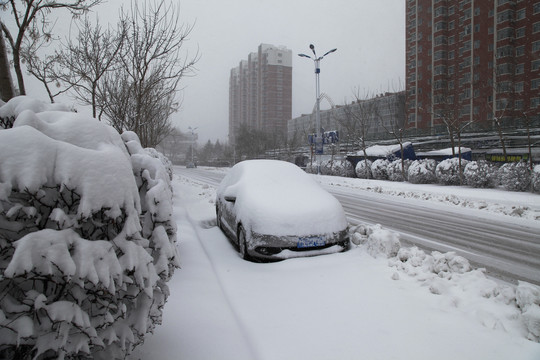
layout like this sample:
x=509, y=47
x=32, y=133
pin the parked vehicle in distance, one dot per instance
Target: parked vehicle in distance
x=272, y=209
x=191, y=165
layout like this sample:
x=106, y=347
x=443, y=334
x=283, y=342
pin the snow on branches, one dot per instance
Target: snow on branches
x=87, y=242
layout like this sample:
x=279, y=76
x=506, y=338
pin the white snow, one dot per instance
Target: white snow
x=278, y=198
x=383, y=150
x=360, y=304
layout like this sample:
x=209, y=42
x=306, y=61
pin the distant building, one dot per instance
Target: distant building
x=380, y=114
x=479, y=57
x=260, y=91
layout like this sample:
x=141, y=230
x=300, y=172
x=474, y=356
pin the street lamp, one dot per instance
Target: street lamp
x=192, y=141
x=318, y=138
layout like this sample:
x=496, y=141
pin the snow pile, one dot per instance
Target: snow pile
x=384, y=151
x=495, y=305
x=495, y=201
x=86, y=247
x=377, y=241
x=11, y=110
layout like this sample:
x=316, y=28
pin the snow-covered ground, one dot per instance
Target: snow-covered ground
x=353, y=305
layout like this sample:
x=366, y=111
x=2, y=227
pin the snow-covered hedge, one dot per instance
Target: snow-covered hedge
x=363, y=169
x=422, y=171
x=87, y=242
x=448, y=171
x=395, y=172
x=332, y=167
x=481, y=174
x=379, y=169
x=515, y=176
x=536, y=178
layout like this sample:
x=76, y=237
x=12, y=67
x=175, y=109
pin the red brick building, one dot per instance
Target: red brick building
x=472, y=60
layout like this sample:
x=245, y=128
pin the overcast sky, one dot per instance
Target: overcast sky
x=369, y=36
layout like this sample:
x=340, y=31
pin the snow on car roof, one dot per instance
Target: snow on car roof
x=278, y=198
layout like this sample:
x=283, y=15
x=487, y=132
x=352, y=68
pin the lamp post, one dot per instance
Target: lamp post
x=318, y=138
x=192, y=141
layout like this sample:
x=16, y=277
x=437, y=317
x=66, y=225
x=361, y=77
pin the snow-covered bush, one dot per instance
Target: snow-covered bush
x=379, y=169
x=86, y=247
x=448, y=171
x=536, y=178
x=363, y=169
x=336, y=168
x=515, y=176
x=395, y=172
x=481, y=174
x=164, y=160
x=422, y=171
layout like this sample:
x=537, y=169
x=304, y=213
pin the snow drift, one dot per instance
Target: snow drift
x=452, y=276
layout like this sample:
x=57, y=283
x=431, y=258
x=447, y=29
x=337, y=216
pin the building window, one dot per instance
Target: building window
x=518, y=105
x=520, y=69
x=504, y=51
x=505, y=33
x=520, y=32
x=441, y=25
x=505, y=15
x=536, y=8
x=520, y=15
x=535, y=65
x=535, y=84
x=536, y=27
x=520, y=51
x=535, y=102
x=519, y=87
x=440, y=54
x=536, y=46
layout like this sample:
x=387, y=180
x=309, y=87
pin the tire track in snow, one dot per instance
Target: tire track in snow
x=252, y=353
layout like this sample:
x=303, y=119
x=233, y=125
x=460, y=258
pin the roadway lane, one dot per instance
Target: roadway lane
x=505, y=246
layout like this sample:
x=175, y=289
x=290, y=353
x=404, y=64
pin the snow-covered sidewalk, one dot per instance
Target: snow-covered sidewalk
x=342, y=306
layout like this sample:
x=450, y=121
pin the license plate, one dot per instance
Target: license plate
x=307, y=242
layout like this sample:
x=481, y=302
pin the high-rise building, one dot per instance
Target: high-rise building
x=260, y=92
x=472, y=61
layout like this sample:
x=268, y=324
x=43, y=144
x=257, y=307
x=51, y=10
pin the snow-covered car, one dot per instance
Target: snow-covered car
x=272, y=209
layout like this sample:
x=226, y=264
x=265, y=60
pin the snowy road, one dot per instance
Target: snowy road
x=506, y=246
x=341, y=306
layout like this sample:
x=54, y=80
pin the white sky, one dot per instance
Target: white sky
x=369, y=36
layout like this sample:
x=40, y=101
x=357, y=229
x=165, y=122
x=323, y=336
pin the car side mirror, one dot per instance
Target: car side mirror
x=230, y=198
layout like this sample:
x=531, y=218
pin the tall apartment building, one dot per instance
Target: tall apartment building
x=260, y=91
x=472, y=60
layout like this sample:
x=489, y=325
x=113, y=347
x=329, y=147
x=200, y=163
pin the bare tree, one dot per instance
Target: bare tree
x=6, y=84
x=83, y=62
x=141, y=94
x=395, y=124
x=32, y=23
